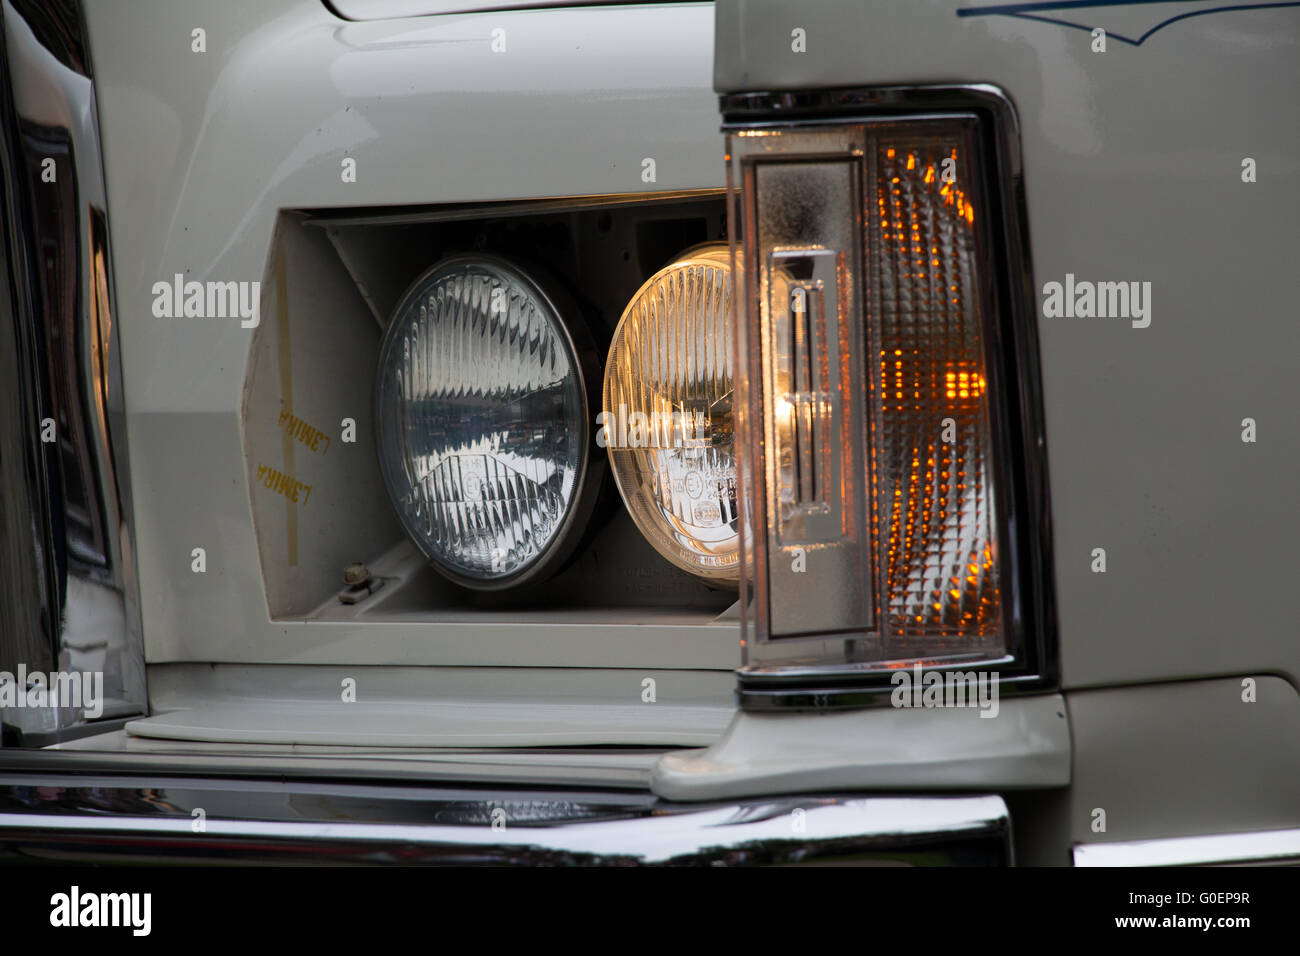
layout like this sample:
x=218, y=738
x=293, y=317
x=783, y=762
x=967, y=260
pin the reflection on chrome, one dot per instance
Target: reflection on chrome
x=336, y=822
x=70, y=560
x=1272, y=847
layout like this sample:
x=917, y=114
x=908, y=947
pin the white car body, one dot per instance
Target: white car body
x=1133, y=171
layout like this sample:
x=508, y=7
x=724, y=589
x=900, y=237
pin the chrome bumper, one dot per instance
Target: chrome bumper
x=110, y=820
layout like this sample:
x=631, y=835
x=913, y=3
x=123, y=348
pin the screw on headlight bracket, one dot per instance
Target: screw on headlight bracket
x=358, y=584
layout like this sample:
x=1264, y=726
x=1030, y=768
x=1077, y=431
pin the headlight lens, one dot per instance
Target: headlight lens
x=667, y=416
x=481, y=414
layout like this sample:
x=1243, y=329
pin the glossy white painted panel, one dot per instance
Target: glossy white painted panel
x=1027, y=744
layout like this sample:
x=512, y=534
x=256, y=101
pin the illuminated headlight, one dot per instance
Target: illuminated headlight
x=886, y=376
x=482, y=412
x=667, y=416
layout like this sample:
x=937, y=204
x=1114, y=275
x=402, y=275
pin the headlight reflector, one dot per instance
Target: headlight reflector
x=481, y=412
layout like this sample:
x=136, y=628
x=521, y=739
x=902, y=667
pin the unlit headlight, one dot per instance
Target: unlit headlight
x=482, y=413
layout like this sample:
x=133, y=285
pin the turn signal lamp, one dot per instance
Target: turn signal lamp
x=879, y=399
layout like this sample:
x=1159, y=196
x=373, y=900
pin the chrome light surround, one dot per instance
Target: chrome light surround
x=850, y=667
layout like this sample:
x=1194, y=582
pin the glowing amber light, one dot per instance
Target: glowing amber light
x=939, y=566
x=963, y=384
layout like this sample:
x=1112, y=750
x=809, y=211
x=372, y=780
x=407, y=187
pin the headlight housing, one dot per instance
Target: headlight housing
x=481, y=407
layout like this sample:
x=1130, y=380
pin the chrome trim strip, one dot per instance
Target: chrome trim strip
x=1262, y=846
x=257, y=822
x=77, y=504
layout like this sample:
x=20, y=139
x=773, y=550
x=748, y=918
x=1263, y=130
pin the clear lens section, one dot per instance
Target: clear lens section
x=481, y=415
x=667, y=417
x=867, y=464
x=818, y=492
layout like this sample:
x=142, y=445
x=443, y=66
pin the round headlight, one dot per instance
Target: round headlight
x=481, y=412
x=667, y=416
